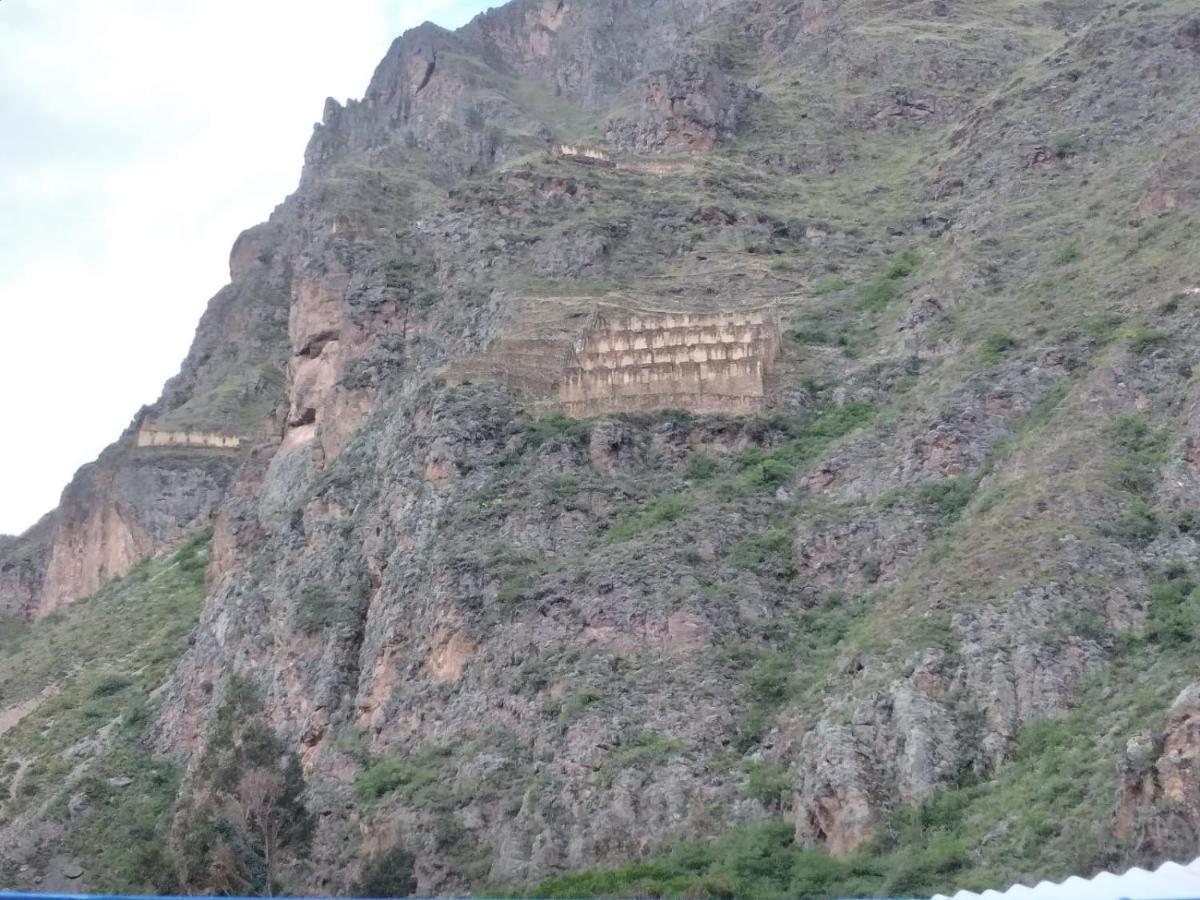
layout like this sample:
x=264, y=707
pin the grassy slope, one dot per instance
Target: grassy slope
x=95, y=666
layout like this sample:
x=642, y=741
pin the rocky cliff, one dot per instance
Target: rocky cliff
x=916, y=624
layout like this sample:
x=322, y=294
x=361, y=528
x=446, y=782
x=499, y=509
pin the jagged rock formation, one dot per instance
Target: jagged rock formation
x=690, y=107
x=939, y=552
x=1159, y=806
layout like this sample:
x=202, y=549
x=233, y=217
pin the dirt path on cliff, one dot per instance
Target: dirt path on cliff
x=12, y=716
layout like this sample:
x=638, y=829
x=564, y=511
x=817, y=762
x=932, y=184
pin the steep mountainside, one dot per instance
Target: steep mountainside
x=928, y=620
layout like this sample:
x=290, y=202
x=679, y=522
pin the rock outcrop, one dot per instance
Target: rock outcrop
x=688, y=108
x=1158, y=810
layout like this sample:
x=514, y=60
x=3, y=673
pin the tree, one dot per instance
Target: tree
x=389, y=874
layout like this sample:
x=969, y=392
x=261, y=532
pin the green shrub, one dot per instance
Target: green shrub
x=322, y=606
x=837, y=422
x=577, y=703
x=880, y=291
x=804, y=334
x=664, y=509
x=1103, y=327
x=515, y=588
x=929, y=864
x=109, y=683
x=1133, y=434
x=770, y=679
x=1067, y=254
x=902, y=265
x=1143, y=449
x=428, y=299
x=1066, y=143
x=1174, y=612
x=756, y=860
x=1141, y=340
x=125, y=846
x=411, y=775
x=641, y=750
x=769, y=551
x=945, y=499
x=389, y=874
x=767, y=782
x=557, y=427
x=702, y=468
x=768, y=474
x=193, y=556
x=763, y=470
x=995, y=346
x=1188, y=521
x=829, y=284
x=1136, y=523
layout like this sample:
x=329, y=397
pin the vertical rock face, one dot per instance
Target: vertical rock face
x=688, y=108
x=1158, y=810
x=589, y=52
x=22, y=569
x=114, y=516
x=904, y=741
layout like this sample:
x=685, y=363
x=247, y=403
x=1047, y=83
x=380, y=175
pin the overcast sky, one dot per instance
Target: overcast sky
x=137, y=138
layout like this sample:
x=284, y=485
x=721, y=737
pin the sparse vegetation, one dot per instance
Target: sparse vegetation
x=946, y=498
x=663, y=510
x=640, y=750
x=389, y=874
x=996, y=346
x=767, y=553
x=410, y=775
x=880, y=291
x=830, y=284
x=702, y=468
x=1067, y=254
x=557, y=427
x=768, y=782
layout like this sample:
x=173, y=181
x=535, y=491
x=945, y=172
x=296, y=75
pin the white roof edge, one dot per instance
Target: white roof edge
x=1170, y=881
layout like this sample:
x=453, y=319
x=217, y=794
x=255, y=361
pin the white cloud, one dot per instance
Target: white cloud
x=137, y=138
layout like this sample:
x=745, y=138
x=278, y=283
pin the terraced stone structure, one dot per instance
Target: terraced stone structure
x=592, y=156
x=701, y=363
x=149, y=436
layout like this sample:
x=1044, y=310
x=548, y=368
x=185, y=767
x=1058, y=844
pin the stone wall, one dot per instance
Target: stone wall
x=582, y=154
x=711, y=363
x=593, y=156
x=153, y=437
x=659, y=167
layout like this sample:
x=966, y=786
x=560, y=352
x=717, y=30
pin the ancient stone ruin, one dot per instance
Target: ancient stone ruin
x=593, y=156
x=702, y=363
x=149, y=436
x=581, y=154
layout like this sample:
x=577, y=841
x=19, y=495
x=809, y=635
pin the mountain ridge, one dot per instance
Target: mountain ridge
x=952, y=556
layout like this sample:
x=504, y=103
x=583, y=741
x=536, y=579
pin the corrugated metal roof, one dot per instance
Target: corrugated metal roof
x=1170, y=881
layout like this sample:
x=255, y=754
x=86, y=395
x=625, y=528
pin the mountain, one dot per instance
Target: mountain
x=677, y=447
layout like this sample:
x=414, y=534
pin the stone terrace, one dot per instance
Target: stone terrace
x=702, y=363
